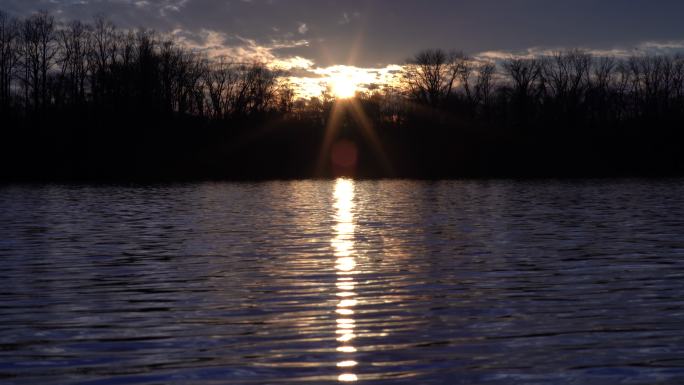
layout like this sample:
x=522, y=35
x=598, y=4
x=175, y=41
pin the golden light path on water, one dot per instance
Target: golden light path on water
x=345, y=265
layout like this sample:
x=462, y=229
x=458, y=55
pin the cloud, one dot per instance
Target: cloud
x=387, y=31
x=161, y=7
x=310, y=80
x=240, y=49
x=303, y=29
x=644, y=48
x=304, y=35
x=347, y=18
x=292, y=63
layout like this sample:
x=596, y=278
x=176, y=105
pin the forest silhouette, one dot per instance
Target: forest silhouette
x=89, y=102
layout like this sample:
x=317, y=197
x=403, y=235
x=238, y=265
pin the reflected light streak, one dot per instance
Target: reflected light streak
x=345, y=265
x=346, y=337
x=347, y=303
x=347, y=364
x=348, y=378
x=346, y=349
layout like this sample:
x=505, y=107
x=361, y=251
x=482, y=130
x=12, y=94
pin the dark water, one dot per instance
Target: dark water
x=320, y=282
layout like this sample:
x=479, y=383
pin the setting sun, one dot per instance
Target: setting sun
x=348, y=192
x=343, y=87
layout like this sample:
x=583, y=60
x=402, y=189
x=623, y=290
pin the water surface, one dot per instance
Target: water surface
x=341, y=281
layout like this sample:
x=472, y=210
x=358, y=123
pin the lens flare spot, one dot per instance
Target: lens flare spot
x=344, y=154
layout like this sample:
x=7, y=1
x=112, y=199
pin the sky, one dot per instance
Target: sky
x=314, y=38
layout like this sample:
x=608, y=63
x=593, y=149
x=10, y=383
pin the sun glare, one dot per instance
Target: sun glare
x=343, y=87
x=344, y=81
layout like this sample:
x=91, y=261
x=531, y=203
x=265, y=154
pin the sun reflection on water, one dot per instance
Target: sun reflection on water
x=345, y=264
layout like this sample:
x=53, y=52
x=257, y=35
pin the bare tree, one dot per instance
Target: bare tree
x=285, y=97
x=38, y=52
x=678, y=80
x=188, y=81
x=603, y=72
x=484, y=87
x=9, y=55
x=465, y=70
x=566, y=78
x=567, y=73
x=219, y=81
x=524, y=74
x=601, y=87
x=103, y=54
x=75, y=42
x=431, y=75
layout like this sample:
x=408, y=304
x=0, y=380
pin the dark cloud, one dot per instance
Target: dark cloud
x=378, y=32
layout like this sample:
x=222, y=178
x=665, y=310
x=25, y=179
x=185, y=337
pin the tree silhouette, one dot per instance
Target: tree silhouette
x=87, y=100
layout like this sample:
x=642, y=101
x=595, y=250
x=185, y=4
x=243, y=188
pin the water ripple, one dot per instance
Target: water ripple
x=331, y=282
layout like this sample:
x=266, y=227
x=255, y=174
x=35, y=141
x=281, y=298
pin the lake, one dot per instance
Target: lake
x=307, y=282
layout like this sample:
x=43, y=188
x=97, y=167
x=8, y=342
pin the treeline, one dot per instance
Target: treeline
x=50, y=67
x=88, y=101
x=567, y=113
x=565, y=88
